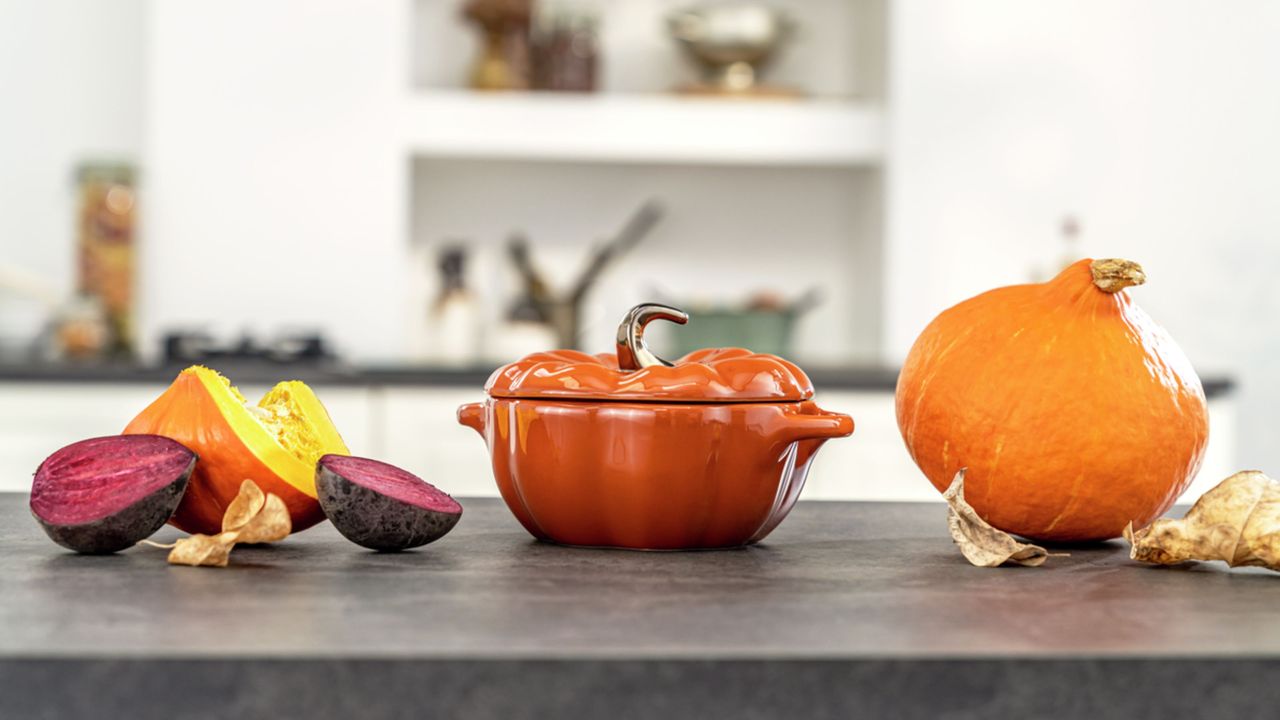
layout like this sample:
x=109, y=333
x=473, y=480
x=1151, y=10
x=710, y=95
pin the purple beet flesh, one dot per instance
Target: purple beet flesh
x=381, y=506
x=105, y=494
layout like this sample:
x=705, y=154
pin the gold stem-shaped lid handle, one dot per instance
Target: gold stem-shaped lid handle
x=633, y=354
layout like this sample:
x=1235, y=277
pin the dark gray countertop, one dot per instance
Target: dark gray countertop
x=854, y=378
x=849, y=607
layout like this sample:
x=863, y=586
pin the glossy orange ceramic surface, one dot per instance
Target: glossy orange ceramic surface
x=713, y=375
x=651, y=475
x=629, y=450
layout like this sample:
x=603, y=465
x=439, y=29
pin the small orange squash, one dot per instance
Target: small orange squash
x=1074, y=412
x=275, y=443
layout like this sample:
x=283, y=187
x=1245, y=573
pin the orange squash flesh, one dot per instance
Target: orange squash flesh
x=1074, y=412
x=275, y=443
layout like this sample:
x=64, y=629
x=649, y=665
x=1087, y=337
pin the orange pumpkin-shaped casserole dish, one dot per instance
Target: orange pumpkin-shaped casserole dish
x=632, y=451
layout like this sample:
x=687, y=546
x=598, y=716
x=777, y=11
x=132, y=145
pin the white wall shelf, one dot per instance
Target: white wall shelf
x=644, y=129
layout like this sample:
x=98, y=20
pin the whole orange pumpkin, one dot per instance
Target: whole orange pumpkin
x=1074, y=412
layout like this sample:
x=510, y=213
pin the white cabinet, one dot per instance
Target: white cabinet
x=872, y=464
x=417, y=429
x=38, y=418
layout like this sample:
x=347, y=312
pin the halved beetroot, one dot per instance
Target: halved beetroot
x=381, y=506
x=105, y=494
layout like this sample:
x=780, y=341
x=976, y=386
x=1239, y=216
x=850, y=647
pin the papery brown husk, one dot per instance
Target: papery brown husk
x=198, y=549
x=252, y=517
x=1237, y=522
x=979, y=542
x=247, y=503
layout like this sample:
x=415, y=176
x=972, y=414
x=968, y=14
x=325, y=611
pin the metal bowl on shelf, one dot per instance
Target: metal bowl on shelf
x=732, y=42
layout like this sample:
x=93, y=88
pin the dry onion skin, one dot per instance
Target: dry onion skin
x=979, y=542
x=252, y=517
x=1237, y=522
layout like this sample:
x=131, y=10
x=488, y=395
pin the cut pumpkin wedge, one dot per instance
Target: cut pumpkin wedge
x=275, y=443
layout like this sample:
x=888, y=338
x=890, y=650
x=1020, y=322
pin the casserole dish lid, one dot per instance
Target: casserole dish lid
x=634, y=374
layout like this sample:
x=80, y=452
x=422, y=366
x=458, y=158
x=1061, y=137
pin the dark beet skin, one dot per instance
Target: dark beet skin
x=381, y=506
x=102, y=495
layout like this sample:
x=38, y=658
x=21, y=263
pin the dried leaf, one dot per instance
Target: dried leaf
x=1237, y=522
x=214, y=550
x=252, y=517
x=272, y=523
x=980, y=543
x=247, y=504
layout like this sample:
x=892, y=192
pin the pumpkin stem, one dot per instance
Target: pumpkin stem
x=1112, y=275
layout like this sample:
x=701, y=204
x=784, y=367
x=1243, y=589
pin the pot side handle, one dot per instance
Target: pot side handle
x=472, y=415
x=822, y=425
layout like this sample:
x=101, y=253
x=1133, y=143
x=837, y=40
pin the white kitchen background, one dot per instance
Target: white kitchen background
x=302, y=162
